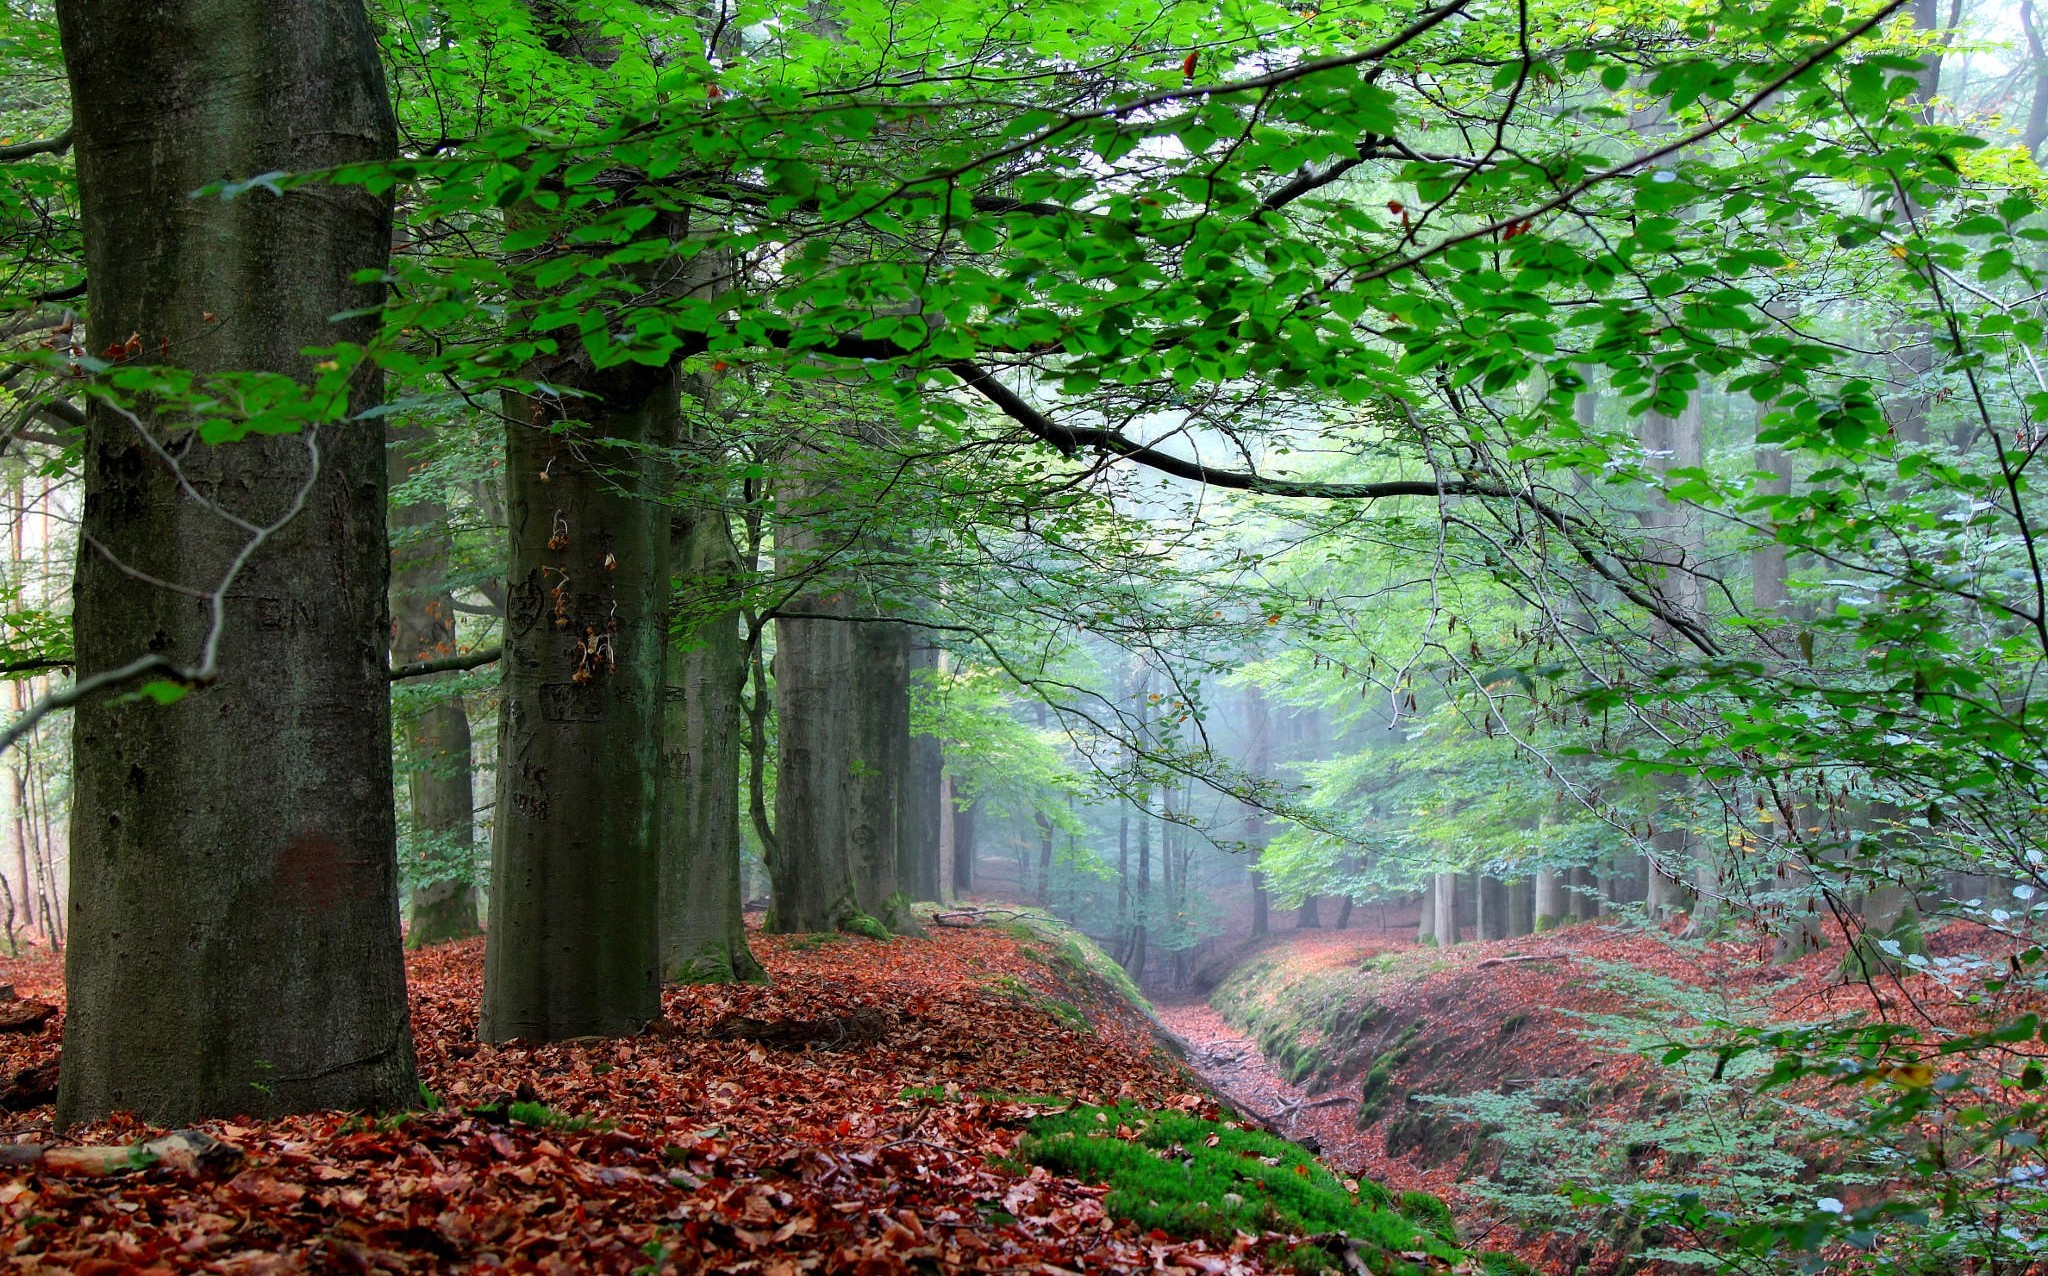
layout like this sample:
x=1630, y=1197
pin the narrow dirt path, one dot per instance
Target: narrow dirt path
x=1231, y=1064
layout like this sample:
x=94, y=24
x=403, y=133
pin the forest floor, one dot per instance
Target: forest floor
x=1329, y=1035
x=884, y=1146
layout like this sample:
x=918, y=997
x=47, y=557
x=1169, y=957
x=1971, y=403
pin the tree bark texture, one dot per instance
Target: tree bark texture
x=1551, y=907
x=234, y=908
x=574, y=872
x=1493, y=908
x=436, y=740
x=924, y=808
x=1444, y=900
x=881, y=707
x=815, y=666
x=702, y=931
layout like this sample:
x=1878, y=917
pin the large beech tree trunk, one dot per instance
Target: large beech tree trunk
x=703, y=936
x=436, y=741
x=574, y=882
x=881, y=708
x=234, y=909
x=812, y=869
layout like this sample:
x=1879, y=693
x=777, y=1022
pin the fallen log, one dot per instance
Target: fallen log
x=863, y=1027
x=187, y=1151
x=19, y=1014
x=31, y=1088
x=1508, y=961
x=961, y=918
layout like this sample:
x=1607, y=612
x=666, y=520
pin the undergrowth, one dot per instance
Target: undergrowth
x=1189, y=1177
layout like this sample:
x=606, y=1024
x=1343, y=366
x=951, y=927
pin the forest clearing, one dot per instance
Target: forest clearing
x=868, y=635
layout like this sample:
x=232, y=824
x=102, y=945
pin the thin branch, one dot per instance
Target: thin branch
x=48, y=146
x=447, y=664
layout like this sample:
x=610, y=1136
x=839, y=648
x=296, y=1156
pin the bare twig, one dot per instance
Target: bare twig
x=208, y=669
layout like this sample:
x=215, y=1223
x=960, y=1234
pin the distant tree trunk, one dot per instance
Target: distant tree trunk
x=881, y=703
x=703, y=934
x=234, y=907
x=1141, y=927
x=436, y=742
x=1444, y=896
x=1344, y=913
x=1425, y=925
x=1259, y=764
x=1799, y=930
x=948, y=835
x=1123, y=880
x=1493, y=908
x=1044, y=892
x=813, y=870
x=963, y=845
x=924, y=808
x=2036, y=131
x=1551, y=905
x=1585, y=894
x=1309, y=918
x=1521, y=907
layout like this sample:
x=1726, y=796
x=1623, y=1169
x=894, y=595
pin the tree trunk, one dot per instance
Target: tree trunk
x=963, y=845
x=1425, y=925
x=234, y=907
x=575, y=866
x=1310, y=917
x=702, y=932
x=1585, y=894
x=881, y=705
x=813, y=870
x=949, y=833
x=1444, y=899
x=1521, y=910
x=924, y=808
x=1493, y=908
x=436, y=740
x=1045, y=831
x=1258, y=763
x=1552, y=907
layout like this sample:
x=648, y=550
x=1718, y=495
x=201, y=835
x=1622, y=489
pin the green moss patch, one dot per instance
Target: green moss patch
x=1188, y=1177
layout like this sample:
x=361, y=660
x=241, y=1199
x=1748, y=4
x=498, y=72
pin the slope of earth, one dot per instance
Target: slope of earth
x=866, y=1126
x=1335, y=1038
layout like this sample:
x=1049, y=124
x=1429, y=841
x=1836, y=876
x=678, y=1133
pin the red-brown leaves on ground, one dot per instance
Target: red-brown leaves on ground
x=701, y=1154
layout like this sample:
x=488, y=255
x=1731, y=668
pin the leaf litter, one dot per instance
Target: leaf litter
x=689, y=1148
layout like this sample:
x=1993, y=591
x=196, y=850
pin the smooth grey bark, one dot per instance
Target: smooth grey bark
x=436, y=741
x=1677, y=544
x=1443, y=897
x=574, y=870
x=964, y=850
x=701, y=929
x=1584, y=894
x=1549, y=903
x=573, y=948
x=1310, y=917
x=1425, y=926
x=812, y=869
x=1259, y=764
x=1521, y=911
x=881, y=707
x=234, y=906
x=919, y=870
x=1493, y=908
